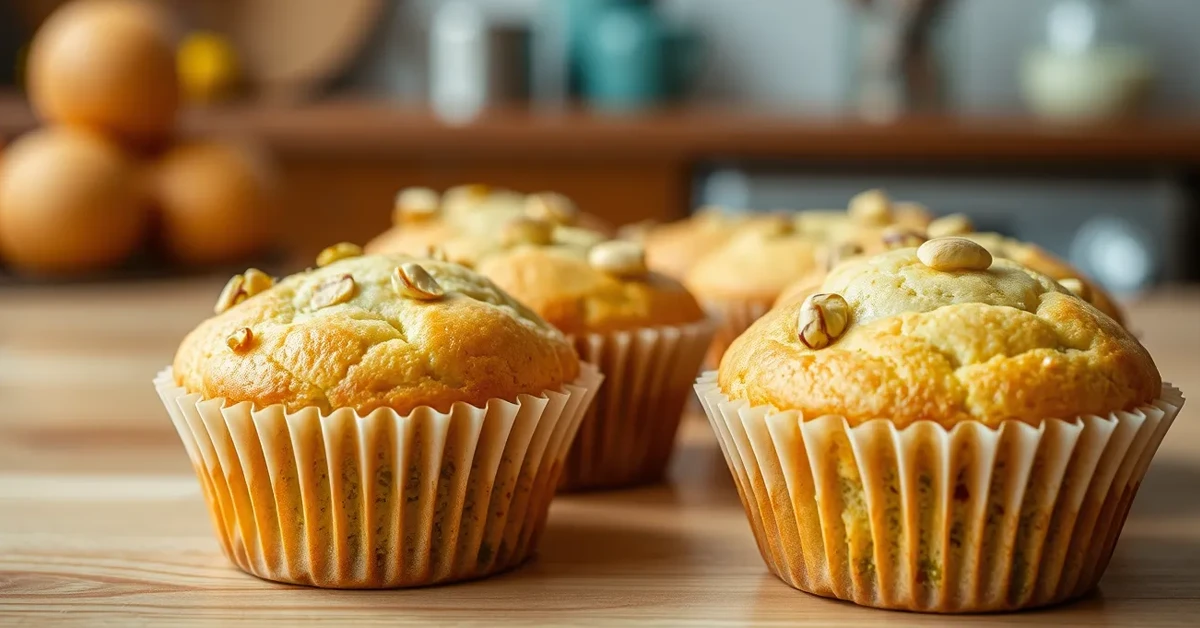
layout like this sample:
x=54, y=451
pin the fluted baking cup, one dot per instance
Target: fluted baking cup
x=967, y=519
x=733, y=318
x=627, y=436
x=381, y=500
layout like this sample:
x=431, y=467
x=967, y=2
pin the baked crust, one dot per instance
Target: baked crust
x=755, y=265
x=673, y=248
x=1030, y=255
x=921, y=344
x=560, y=285
x=1045, y=262
x=469, y=223
x=376, y=349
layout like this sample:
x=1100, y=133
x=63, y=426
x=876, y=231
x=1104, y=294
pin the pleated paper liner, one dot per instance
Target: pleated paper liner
x=381, y=500
x=627, y=436
x=733, y=318
x=969, y=519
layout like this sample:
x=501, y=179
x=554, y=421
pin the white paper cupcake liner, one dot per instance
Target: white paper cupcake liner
x=381, y=500
x=627, y=436
x=733, y=318
x=968, y=519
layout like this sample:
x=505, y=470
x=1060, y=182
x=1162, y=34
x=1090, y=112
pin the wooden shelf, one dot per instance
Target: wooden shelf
x=343, y=160
x=698, y=134
x=363, y=128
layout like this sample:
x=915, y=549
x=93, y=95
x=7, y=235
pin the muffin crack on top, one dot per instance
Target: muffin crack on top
x=342, y=336
x=992, y=342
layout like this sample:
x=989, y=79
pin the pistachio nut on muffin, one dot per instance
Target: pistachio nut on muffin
x=378, y=421
x=643, y=330
x=936, y=429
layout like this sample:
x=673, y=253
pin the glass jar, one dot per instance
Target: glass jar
x=623, y=60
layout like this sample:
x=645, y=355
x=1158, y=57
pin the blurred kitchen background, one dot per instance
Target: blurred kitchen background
x=1067, y=122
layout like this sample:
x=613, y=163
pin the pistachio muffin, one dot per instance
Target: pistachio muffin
x=469, y=249
x=582, y=291
x=848, y=243
x=873, y=222
x=379, y=421
x=562, y=212
x=673, y=248
x=643, y=330
x=874, y=208
x=738, y=282
x=938, y=430
x=469, y=221
x=867, y=214
x=463, y=203
x=419, y=225
x=776, y=253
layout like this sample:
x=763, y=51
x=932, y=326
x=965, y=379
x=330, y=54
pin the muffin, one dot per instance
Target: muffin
x=673, y=248
x=738, y=282
x=379, y=421
x=469, y=221
x=867, y=216
x=876, y=208
x=469, y=249
x=830, y=225
x=939, y=431
x=850, y=245
x=643, y=330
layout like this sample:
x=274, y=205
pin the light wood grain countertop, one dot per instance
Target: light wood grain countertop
x=102, y=521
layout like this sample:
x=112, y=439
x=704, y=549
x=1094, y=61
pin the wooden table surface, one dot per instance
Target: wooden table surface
x=101, y=520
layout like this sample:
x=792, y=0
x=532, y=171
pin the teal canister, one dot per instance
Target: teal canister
x=623, y=60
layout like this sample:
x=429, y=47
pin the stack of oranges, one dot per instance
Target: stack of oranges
x=107, y=176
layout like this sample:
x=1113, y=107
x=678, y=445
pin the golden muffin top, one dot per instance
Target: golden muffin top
x=601, y=289
x=673, y=248
x=373, y=331
x=469, y=222
x=418, y=240
x=943, y=333
x=897, y=236
x=1041, y=260
x=756, y=264
x=870, y=213
x=464, y=203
